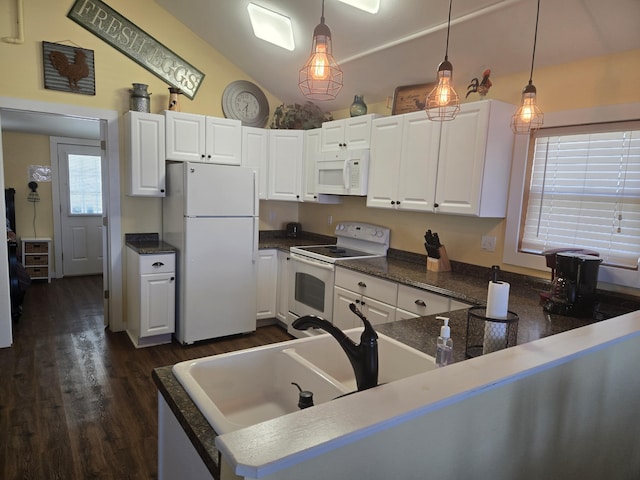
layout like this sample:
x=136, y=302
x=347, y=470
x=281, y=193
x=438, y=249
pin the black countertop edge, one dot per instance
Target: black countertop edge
x=147, y=243
x=197, y=428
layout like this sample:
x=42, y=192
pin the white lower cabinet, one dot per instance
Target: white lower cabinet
x=151, y=281
x=374, y=297
x=414, y=302
x=383, y=301
x=267, y=284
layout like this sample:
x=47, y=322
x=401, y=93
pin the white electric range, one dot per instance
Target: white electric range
x=313, y=269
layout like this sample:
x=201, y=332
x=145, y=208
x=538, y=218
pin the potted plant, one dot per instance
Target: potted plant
x=299, y=117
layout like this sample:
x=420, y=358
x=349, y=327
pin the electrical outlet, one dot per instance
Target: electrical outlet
x=272, y=215
x=488, y=243
x=330, y=220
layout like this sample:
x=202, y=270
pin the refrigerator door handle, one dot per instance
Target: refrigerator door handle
x=256, y=199
x=256, y=226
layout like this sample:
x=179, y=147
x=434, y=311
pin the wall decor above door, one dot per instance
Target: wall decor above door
x=68, y=68
x=107, y=24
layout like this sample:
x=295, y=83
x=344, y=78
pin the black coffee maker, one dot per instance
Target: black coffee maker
x=573, y=290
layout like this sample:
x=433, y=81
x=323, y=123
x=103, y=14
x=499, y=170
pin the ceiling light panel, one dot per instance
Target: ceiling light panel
x=271, y=26
x=371, y=6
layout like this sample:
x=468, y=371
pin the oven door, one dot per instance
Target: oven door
x=311, y=291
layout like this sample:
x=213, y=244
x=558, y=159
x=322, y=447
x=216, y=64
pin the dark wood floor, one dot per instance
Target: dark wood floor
x=77, y=401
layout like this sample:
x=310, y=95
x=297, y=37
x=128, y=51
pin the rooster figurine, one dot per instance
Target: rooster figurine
x=75, y=71
x=481, y=87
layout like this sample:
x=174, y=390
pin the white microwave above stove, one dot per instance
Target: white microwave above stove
x=344, y=172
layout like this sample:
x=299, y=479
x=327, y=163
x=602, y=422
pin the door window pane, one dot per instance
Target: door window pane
x=85, y=185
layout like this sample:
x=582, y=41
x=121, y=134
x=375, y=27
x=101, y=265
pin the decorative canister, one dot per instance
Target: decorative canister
x=358, y=107
x=140, y=98
x=174, y=99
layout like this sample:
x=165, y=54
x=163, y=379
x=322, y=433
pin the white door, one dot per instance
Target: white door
x=80, y=183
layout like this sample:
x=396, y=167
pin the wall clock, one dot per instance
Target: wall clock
x=245, y=101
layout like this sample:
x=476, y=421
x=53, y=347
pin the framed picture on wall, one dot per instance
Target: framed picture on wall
x=411, y=98
x=68, y=68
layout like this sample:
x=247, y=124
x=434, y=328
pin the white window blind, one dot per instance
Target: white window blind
x=584, y=191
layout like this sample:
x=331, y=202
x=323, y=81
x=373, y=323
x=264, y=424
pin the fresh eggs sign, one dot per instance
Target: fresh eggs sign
x=120, y=33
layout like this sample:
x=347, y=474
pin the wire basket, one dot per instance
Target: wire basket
x=486, y=335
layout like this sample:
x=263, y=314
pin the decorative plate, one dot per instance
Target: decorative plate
x=246, y=102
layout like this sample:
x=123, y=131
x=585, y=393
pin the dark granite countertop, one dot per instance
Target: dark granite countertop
x=465, y=283
x=147, y=243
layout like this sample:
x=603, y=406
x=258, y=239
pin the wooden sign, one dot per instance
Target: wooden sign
x=411, y=98
x=69, y=69
x=107, y=24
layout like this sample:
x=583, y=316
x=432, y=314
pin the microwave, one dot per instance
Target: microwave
x=344, y=172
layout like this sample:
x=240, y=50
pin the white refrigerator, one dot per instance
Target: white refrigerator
x=210, y=214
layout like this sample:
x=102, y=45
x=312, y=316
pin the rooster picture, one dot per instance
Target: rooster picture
x=480, y=86
x=75, y=71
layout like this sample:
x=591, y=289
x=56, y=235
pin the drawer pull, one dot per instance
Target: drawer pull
x=420, y=303
x=362, y=284
x=157, y=264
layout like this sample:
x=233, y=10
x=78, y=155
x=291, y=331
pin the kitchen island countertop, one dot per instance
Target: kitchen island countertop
x=419, y=333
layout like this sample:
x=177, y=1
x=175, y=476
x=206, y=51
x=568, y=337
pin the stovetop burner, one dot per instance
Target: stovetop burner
x=355, y=240
x=335, y=251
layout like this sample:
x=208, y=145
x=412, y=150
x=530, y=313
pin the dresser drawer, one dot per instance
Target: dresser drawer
x=36, y=247
x=157, y=263
x=36, y=260
x=373, y=287
x=38, y=272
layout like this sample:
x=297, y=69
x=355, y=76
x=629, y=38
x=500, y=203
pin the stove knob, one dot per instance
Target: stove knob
x=379, y=233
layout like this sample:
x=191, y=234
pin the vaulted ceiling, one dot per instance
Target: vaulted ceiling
x=405, y=41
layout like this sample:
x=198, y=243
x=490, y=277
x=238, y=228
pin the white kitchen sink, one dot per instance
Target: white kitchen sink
x=238, y=389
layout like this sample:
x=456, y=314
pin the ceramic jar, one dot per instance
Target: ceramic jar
x=358, y=107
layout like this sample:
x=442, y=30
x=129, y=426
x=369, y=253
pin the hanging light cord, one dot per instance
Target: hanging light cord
x=535, y=40
x=446, y=50
x=322, y=15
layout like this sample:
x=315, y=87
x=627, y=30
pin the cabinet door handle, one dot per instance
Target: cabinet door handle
x=362, y=284
x=157, y=264
x=202, y=156
x=172, y=279
x=420, y=303
x=393, y=202
x=436, y=205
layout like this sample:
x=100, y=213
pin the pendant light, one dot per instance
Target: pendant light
x=529, y=117
x=321, y=77
x=443, y=102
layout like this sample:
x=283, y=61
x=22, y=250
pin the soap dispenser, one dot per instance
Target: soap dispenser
x=444, y=346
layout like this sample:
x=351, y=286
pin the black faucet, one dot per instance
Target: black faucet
x=363, y=357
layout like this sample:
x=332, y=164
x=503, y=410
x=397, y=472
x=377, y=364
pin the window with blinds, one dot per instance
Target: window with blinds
x=584, y=191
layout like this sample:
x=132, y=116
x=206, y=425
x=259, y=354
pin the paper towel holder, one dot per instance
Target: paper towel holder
x=478, y=328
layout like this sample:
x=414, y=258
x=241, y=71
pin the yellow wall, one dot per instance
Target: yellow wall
x=598, y=81
x=20, y=151
x=595, y=82
x=46, y=20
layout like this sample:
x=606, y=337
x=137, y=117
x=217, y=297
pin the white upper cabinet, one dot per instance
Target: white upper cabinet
x=404, y=162
x=350, y=133
x=458, y=167
x=145, y=147
x=255, y=155
x=198, y=138
x=285, y=165
x=474, y=166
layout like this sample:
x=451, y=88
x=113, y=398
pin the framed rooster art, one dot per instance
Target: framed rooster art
x=68, y=68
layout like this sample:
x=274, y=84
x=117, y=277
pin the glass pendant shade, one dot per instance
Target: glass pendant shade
x=320, y=78
x=528, y=117
x=443, y=103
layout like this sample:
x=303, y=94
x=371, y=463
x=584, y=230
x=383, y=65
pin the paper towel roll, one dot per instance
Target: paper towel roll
x=495, y=333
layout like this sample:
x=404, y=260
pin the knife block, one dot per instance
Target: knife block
x=441, y=264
